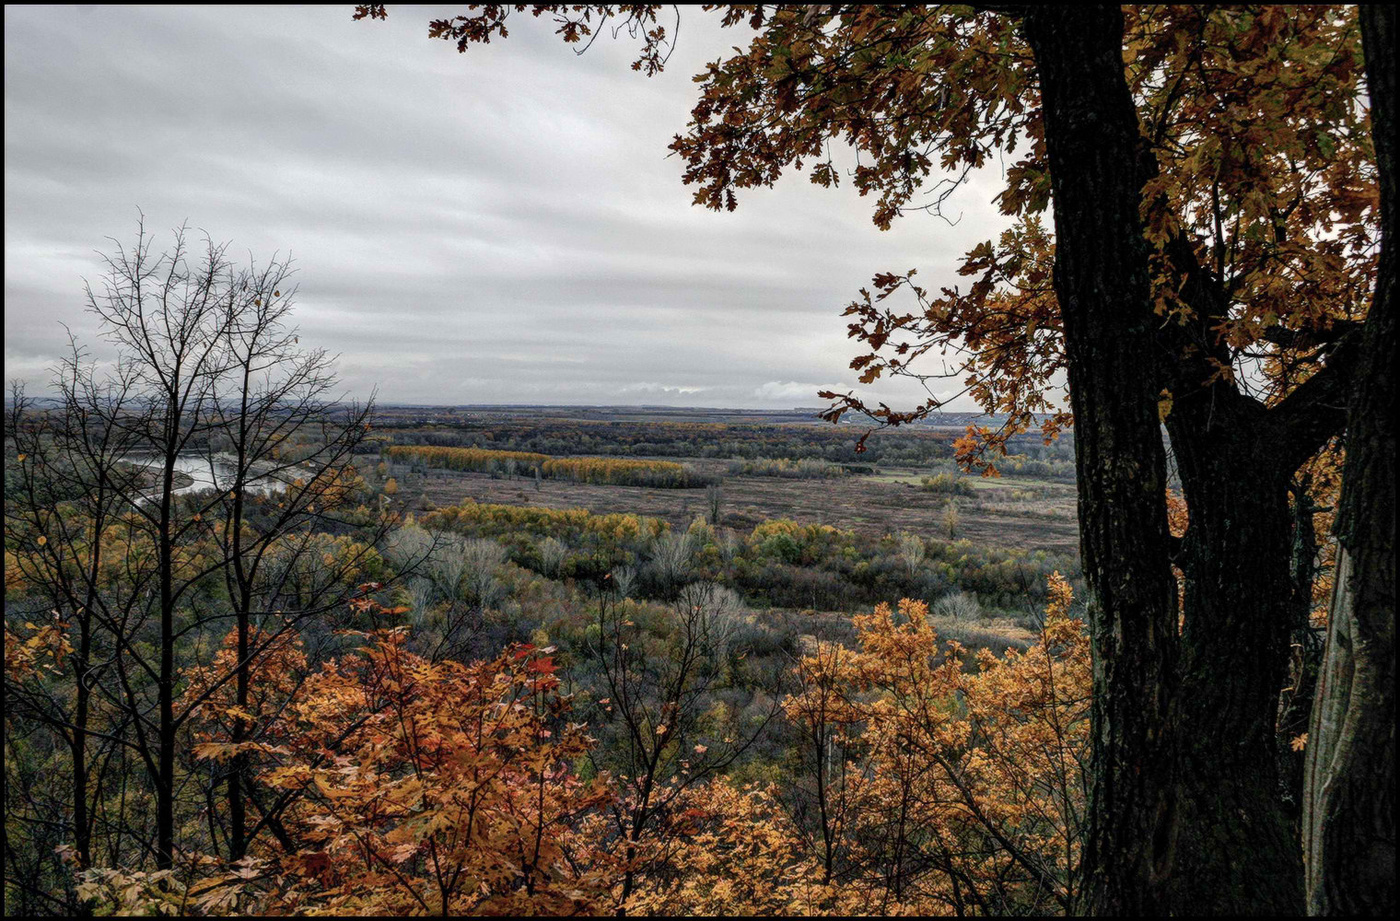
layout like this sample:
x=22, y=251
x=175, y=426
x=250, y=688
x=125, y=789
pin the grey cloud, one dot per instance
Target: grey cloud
x=499, y=226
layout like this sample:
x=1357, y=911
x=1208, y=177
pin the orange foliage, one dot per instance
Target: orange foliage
x=415, y=787
x=38, y=650
x=276, y=669
x=956, y=791
x=428, y=788
x=741, y=856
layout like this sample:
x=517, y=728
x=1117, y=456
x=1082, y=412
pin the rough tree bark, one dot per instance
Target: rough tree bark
x=1304, y=656
x=1102, y=282
x=1236, y=852
x=1349, y=808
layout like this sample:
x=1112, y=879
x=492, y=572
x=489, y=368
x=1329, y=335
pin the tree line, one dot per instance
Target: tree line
x=610, y=471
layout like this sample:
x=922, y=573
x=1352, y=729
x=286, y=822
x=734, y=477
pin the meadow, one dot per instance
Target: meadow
x=905, y=486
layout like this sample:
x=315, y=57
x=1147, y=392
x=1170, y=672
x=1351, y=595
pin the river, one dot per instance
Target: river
x=206, y=472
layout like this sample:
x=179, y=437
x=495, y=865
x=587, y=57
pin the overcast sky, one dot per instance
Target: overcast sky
x=500, y=226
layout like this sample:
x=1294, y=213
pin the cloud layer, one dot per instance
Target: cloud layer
x=498, y=226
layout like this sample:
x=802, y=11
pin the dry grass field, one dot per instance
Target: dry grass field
x=1008, y=511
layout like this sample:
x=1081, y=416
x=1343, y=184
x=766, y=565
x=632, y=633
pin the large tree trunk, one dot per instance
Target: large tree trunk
x=1236, y=852
x=1349, y=818
x=1102, y=283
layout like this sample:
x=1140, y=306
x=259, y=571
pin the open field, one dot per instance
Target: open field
x=1021, y=511
x=1009, y=511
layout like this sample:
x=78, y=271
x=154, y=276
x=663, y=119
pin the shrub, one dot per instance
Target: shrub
x=958, y=606
x=947, y=484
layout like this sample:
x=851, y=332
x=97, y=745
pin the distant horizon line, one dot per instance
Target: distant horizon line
x=666, y=406
x=402, y=404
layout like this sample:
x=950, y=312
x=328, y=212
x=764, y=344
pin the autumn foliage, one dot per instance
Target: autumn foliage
x=478, y=460
x=953, y=791
x=620, y=471
x=497, y=519
x=423, y=788
x=393, y=784
x=610, y=471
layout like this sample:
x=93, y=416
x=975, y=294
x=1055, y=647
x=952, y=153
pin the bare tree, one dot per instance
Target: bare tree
x=483, y=559
x=552, y=554
x=911, y=551
x=271, y=391
x=624, y=580
x=714, y=499
x=184, y=489
x=167, y=317
x=958, y=606
x=660, y=740
x=671, y=556
x=450, y=580
x=729, y=545
x=59, y=501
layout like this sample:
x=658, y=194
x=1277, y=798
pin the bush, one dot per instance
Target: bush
x=958, y=606
x=948, y=484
